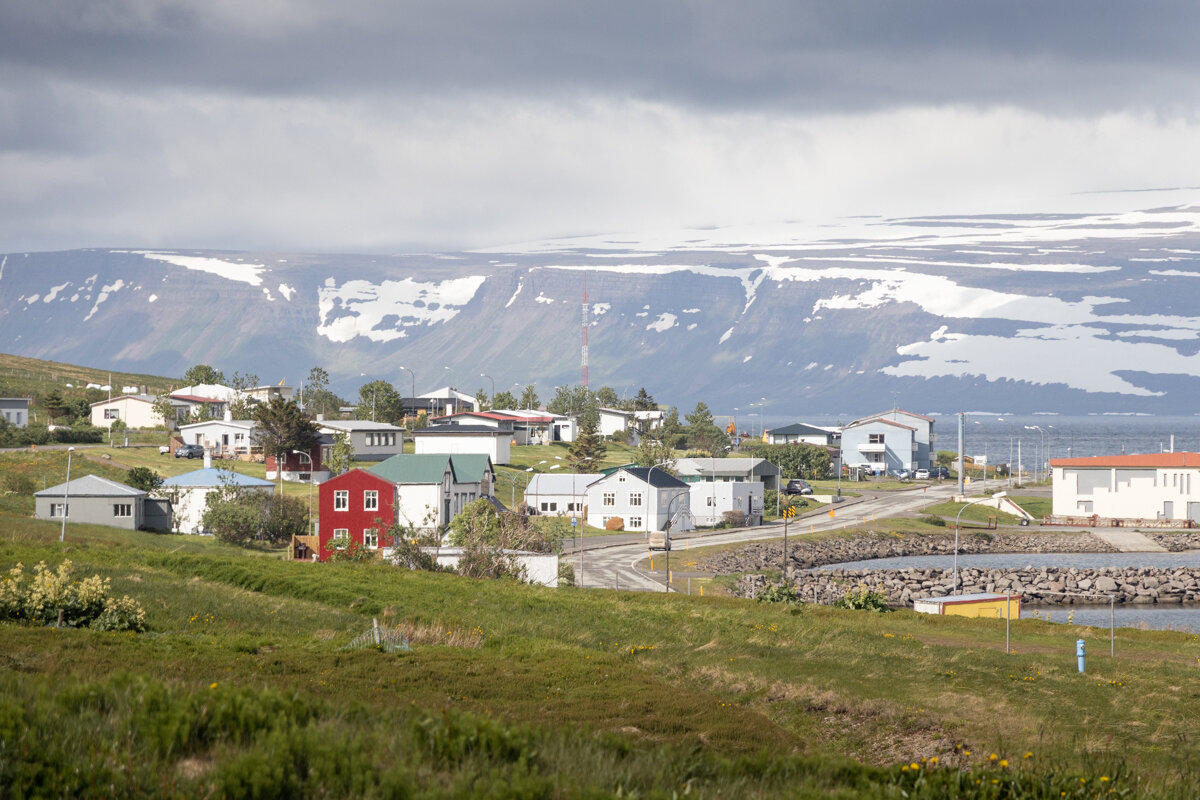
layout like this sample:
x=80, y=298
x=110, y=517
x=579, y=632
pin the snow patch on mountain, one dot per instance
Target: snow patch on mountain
x=600, y=309
x=664, y=323
x=286, y=291
x=381, y=312
x=513, y=299
x=245, y=273
x=105, y=291
x=54, y=290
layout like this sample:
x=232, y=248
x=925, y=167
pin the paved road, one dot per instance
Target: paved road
x=613, y=564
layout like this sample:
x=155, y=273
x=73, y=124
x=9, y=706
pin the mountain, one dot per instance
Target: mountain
x=1075, y=313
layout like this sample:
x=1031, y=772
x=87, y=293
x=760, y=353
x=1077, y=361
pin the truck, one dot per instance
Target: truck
x=660, y=540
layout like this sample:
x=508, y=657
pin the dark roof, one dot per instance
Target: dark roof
x=460, y=429
x=799, y=429
x=656, y=477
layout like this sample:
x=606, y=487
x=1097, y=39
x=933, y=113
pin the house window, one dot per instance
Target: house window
x=371, y=539
x=370, y=500
x=710, y=501
x=122, y=509
x=340, y=537
x=546, y=506
x=635, y=523
x=341, y=500
x=112, y=413
x=56, y=510
x=875, y=438
x=609, y=499
x=635, y=498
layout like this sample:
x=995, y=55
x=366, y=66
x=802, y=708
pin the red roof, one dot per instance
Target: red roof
x=1147, y=460
x=496, y=416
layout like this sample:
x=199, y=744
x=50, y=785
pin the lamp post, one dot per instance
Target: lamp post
x=62, y=536
x=310, y=485
x=956, y=521
x=414, y=388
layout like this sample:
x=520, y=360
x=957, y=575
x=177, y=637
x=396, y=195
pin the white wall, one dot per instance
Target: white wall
x=1127, y=492
x=709, y=501
x=497, y=447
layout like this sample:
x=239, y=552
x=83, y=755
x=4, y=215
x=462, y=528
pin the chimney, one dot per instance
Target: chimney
x=228, y=414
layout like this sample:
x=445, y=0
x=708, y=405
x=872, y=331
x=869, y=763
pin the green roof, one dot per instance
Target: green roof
x=430, y=467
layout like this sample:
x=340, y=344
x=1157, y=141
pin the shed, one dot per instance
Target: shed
x=982, y=604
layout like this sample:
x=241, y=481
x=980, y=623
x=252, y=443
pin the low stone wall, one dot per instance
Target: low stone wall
x=1139, y=585
x=805, y=553
x=1176, y=542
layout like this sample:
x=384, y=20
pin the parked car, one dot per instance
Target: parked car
x=797, y=486
x=902, y=474
x=190, y=451
x=940, y=472
x=921, y=474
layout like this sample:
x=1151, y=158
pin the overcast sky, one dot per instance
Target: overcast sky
x=386, y=125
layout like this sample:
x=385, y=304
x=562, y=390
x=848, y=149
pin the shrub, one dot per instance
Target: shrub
x=54, y=598
x=776, y=593
x=934, y=520
x=143, y=478
x=863, y=599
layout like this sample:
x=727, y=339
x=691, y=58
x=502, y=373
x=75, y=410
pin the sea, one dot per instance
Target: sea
x=1032, y=441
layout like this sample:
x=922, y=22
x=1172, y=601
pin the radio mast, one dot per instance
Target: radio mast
x=584, y=318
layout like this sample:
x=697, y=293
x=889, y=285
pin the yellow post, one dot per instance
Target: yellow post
x=670, y=576
x=702, y=595
x=831, y=513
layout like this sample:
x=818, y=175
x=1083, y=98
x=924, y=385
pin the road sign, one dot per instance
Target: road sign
x=789, y=512
x=574, y=521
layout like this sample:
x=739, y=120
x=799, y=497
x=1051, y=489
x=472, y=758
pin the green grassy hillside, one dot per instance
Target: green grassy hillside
x=32, y=377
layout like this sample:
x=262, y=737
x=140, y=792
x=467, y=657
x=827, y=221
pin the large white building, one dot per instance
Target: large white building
x=559, y=494
x=642, y=497
x=1154, y=486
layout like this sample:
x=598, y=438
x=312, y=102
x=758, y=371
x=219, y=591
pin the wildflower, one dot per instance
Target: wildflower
x=914, y=765
x=933, y=760
x=1104, y=779
x=1029, y=754
x=1004, y=762
x=212, y=685
x=993, y=757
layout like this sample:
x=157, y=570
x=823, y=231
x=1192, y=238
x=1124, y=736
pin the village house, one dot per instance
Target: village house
x=135, y=411
x=99, y=501
x=15, y=411
x=422, y=492
x=644, y=498
x=799, y=433
x=488, y=440
x=224, y=438
x=371, y=441
x=559, y=494
x=189, y=492
x=756, y=470
x=737, y=502
x=1162, y=487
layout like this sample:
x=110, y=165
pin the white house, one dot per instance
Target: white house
x=559, y=494
x=642, y=497
x=464, y=439
x=224, y=437
x=372, y=441
x=432, y=489
x=758, y=470
x=448, y=400
x=1154, y=486
x=188, y=493
x=800, y=433
x=135, y=410
x=711, y=500
x=911, y=450
x=15, y=411
x=614, y=420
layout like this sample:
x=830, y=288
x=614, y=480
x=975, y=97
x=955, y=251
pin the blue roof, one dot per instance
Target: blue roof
x=214, y=477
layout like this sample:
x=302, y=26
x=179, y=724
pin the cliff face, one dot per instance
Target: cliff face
x=1073, y=314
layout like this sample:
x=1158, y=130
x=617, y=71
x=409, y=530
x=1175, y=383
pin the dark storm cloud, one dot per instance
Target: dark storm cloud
x=794, y=56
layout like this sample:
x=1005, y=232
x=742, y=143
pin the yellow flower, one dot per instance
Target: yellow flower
x=933, y=760
x=914, y=765
x=1104, y=778
x=993, y=757
x=212, y=685
x=1029, y=754
x=904, y=768
x=1004, y=762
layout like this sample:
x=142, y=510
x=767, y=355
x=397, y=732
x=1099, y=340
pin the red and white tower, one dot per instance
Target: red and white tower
x=585, y=331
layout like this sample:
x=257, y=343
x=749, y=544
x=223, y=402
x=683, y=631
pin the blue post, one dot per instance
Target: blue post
x=1080, y=653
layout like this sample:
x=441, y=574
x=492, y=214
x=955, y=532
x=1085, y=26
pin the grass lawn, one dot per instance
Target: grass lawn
x=244, y=681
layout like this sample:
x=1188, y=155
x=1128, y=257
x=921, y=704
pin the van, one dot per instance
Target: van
x=660, y=540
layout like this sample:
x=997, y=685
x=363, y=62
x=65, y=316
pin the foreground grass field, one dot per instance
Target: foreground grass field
x=244, y=687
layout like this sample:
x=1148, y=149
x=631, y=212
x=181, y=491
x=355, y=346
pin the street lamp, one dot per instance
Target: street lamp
x=310, y=485
x=956, y=521
x=493, y=380
x=62, y=536
x=414, y=388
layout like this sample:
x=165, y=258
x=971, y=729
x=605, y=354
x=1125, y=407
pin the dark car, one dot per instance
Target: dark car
x=797, y=486
x=939, y=472
x=190, y=451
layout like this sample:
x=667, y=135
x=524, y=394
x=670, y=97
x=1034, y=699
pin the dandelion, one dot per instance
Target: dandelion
x=993, y=757
x=933, y=760
x=1029, y=754
x=1004, y=763
x=914, y=765
x=1104, y=779
x=212, y=685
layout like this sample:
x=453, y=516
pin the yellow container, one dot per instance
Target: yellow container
x=983, y=604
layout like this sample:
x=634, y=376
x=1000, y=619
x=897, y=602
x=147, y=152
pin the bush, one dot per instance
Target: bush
x=936, y=521
x=143, y=478
x=864, y=600
x=54, y=598
x=779, y=594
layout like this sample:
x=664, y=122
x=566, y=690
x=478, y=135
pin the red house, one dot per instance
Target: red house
x=357, y=506
x=300, y=466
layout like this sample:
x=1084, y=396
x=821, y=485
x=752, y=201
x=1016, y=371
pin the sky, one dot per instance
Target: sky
x=371, y=126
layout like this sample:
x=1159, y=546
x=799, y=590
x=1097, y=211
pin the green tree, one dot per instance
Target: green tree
x=242, y=404
x=607, y=397
x=144, y=478
x=704, y=435
x=379, y=401
x=202, y=373
x=316, y=395
x=54, y=405
x=651, y=452
x=282, y=426
x=341, y=454
x=794, y=460
x=529, y=397
x=490, y=540
x=481, y=397
x=671, y=432
x=504, y=400
x=587, y=451
x=643, y=401
x=166, y=409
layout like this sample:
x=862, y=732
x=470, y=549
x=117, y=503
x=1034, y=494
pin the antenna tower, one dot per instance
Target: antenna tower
x=585, y=331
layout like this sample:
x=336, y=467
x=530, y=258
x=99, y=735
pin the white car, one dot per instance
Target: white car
x=921, y=475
